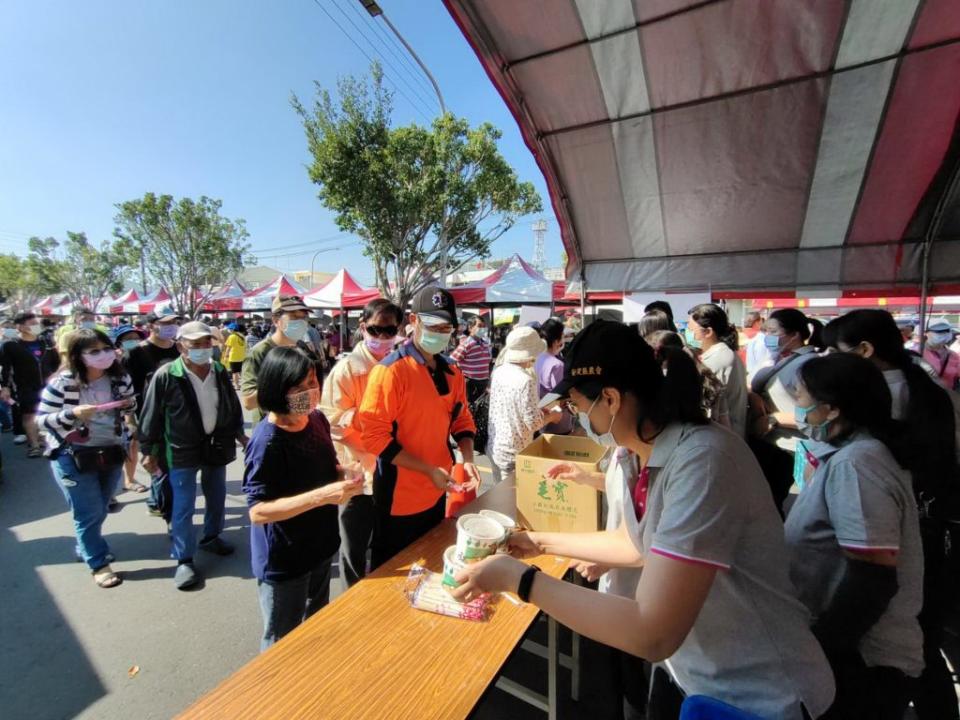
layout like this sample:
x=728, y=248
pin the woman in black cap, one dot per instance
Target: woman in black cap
x=714, y=603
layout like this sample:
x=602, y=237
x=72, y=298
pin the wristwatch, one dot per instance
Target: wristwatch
x=526, y=583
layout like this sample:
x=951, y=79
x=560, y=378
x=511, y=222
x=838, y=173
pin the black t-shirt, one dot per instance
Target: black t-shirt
x=281, y=464
x=144, y=360
x=27, y=364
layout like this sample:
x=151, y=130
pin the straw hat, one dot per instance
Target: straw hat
x=524, y=344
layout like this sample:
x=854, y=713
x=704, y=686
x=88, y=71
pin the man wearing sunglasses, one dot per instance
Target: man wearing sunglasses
x=342, y=392
x=415, y=400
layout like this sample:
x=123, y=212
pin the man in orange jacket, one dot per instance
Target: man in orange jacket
x=414, y=401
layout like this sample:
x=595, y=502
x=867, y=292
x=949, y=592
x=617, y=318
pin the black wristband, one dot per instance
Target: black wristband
x=526, y=583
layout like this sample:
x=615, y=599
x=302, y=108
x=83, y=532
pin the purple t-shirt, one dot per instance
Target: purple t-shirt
x=549, y=370
x=279, y=464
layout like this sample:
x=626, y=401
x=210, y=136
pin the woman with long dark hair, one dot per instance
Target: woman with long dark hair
x=549, y=369
x=698, y=518
x=857, y=560
x=928, y=436
x=82, y=412
x=710, y=333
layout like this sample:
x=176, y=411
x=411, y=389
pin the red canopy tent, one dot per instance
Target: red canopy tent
x=733, y=144
x=341, y=292
x=46, y=305
x=515, y=282
x=229, y=297
x=262, y=297
x=118, y=303
x=158, y=299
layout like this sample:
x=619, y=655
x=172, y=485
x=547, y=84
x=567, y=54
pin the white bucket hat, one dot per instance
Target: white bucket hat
x=524, y=344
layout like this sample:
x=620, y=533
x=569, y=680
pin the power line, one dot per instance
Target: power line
x=367, y=55
x=374, y=48
x=268, y=256
x=399, y=52
x=318, y=241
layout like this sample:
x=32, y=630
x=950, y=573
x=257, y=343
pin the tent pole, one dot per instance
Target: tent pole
x=343, y=322
x=583, y=301
x=924, y=290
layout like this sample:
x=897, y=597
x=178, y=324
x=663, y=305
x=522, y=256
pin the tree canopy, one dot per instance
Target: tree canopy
x=185, y=245
x=412, y=194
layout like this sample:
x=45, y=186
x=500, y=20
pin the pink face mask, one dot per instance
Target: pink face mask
x=100, y=359
x=378, y=346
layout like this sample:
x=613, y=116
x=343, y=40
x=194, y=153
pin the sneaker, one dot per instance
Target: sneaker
x=19, y=439
x=217, y=546
x=35, y=452
x=186, y=576
x=153, y=510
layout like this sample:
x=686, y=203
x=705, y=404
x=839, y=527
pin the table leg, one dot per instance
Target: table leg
x=575, y=667
x=552, y=662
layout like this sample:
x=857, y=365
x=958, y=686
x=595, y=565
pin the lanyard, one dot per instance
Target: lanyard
x=640, y=492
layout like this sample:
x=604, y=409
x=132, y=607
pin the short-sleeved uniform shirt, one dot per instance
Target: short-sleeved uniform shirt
x=280, y=464
x=751, y=645
x=860, y=499
x=619, y=483
x=727, y=366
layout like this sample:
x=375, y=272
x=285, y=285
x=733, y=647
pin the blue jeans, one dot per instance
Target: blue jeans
x=87, y=495
x=286, y=604
x=213, y=479
x=6, y=415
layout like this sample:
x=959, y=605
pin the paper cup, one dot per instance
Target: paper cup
x=505, y=521
x=451, y=566
x=477, y=537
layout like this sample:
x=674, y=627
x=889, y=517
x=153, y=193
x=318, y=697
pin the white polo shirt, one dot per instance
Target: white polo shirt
x=208, y=397
x=751, y=645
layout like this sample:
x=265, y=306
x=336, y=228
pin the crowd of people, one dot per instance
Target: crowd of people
x=791, y=478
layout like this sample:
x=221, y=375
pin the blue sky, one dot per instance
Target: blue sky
x=104, y=101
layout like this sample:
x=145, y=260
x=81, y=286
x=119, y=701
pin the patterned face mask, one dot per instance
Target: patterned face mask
x=303, y=402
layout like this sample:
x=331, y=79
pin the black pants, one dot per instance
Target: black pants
x=867, y=693
x=392, y=533
x=630, y=675
x=666, y=697
x=476, y=389
x=356, y=528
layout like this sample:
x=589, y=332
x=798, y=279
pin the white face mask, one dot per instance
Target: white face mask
x=607, y=439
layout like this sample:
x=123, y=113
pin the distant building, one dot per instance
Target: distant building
x=319, y=278
x=258, y=276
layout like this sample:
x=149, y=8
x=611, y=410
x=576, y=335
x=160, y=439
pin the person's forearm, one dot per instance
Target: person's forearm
x=409, y=461
x=249, y=401
x=610, y=619
x=466, y=449
x=283, y=508
x=613, y=549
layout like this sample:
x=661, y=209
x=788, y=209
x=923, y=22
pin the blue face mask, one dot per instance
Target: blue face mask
x=296, y=329
x=10, y=333
x=691, y=340
x=817, y=433
x=200, y=356
x=772, y=342
x=129, y=345
x=607, y=439
x=433, y=343
x=88, y=325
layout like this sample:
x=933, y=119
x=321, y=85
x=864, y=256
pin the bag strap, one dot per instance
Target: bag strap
x=762, y=380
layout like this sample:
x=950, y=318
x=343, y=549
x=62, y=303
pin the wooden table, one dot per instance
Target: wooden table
x=370, y=655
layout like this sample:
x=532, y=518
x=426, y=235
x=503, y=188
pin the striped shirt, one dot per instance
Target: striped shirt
x=61, y=396
x=474, y=357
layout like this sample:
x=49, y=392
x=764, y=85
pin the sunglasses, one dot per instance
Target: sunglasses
x=387, y=331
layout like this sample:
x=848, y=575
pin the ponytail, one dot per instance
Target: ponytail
x=709, y=315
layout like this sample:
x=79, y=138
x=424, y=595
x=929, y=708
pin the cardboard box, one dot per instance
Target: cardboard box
x=555, y=505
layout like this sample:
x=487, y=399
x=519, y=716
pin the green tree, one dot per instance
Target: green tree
x=184, y=245
x=419, y=198
x=44, y=273
x=90, y=273
x=11, y=278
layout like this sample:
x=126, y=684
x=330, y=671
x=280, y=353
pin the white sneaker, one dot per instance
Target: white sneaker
x=19, y=439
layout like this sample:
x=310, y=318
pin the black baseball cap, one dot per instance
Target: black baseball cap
x=603, y=354
x=435, y=301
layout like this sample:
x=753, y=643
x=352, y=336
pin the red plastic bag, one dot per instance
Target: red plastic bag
x=456, y=500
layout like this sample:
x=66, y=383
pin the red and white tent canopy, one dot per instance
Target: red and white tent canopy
x=46, y=305
x=229, y=297
x=117, y=305
x=158, y=299
x=514, y=282
x=262, y=297
x=733, y=144
x=342, y=291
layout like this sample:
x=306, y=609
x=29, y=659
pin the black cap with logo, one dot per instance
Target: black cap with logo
x=603, y=354
x=434, y=301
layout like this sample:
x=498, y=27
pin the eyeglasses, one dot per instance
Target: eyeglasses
x=97, y=352
x=387, y=331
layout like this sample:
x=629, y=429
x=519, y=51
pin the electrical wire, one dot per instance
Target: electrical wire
x=303, y=253
x=318, y=241
x=367, y=55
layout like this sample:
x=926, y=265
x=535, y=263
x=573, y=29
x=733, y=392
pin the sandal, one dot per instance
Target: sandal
x=135, y=487
x=106, y=578
x=35, y=452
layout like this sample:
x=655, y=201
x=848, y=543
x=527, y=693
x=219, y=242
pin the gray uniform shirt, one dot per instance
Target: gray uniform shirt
x=781, y=393
x=726, y=365
x=751, y=645
x=860, y=499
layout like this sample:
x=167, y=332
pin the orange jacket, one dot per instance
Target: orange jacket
x=403, y=409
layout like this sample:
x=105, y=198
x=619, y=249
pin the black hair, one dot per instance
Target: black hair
x=283, y=368
x=667, y=390
x=78, y=341
x=82, y=311
x=928, y=420
x=794, y=321
x=241, y=328
x=708, y=315
x=21, y=318
x=664, y=307
x=551, y=331
x=654, y=320
x=382, y=305
x=856, y=387
x=474, y=321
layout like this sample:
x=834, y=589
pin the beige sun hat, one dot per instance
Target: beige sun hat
x=524, y=344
